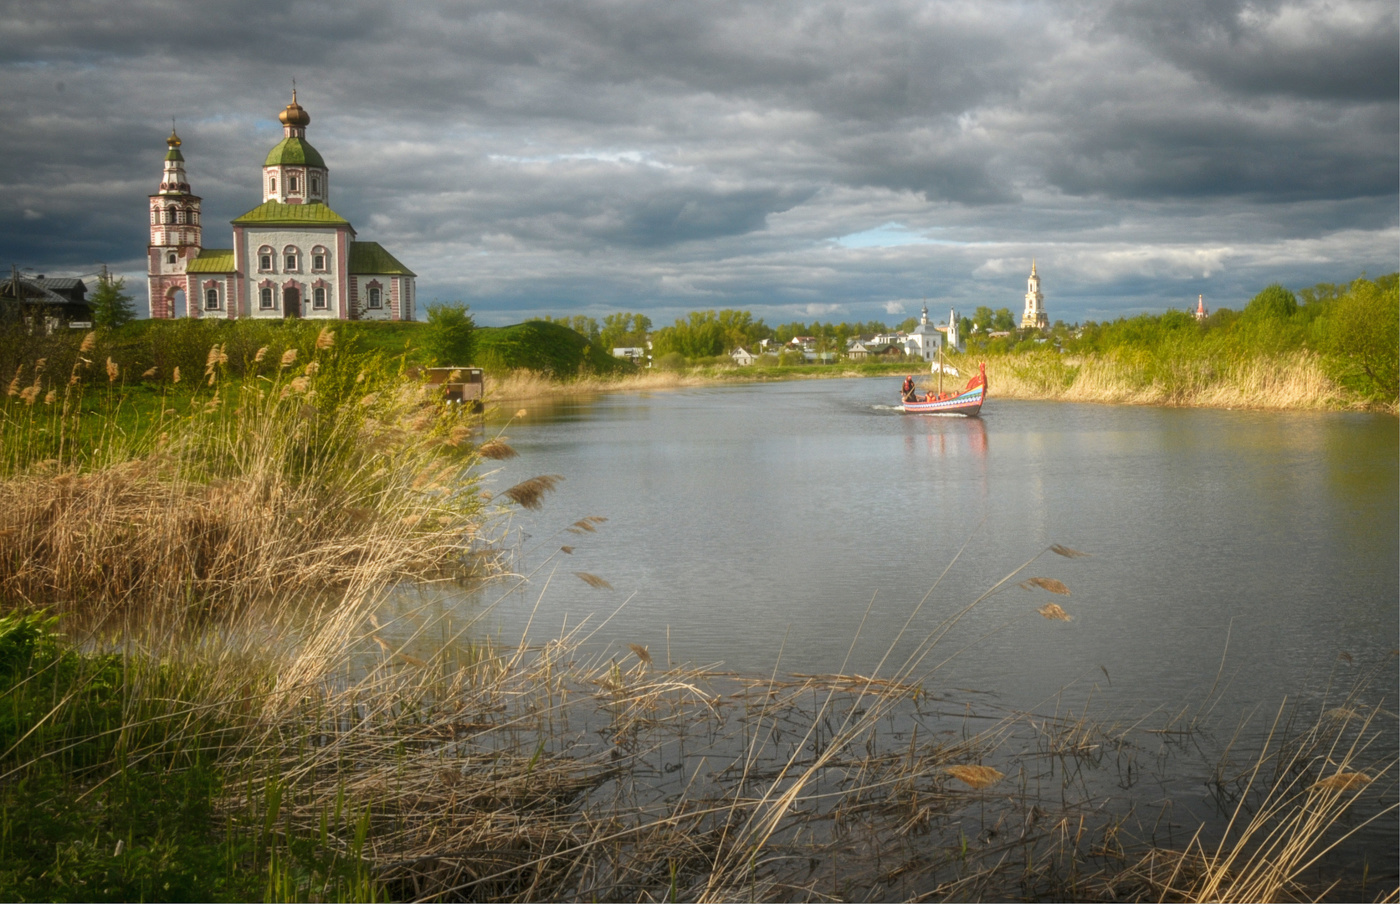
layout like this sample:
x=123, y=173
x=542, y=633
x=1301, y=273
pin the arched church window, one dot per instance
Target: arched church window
x=211, y=299
x=171, y=258
x=272, y=186
x=265, y=297
x=291, y=183
x=315, y=185
x=318, y=297
x=265, y=259
x=318, y=258
x=289, y=255
x=375, y=300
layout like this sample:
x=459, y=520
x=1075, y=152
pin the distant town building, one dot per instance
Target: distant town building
x=742, y=356
x=292, y=256
x=1034, y=317
x=1201, y=313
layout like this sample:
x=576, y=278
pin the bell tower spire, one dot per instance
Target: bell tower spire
x=176, y=233
x=1034, y=316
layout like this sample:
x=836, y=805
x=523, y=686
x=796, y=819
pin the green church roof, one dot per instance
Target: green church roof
x=275, y=213
x=212, y=260
x=294, y=152
x=371, y=258
x=174, y=154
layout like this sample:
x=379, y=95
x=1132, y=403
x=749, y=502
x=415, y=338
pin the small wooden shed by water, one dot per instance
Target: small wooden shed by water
x=464, y=385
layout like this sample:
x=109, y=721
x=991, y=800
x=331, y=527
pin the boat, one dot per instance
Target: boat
x=968, y=402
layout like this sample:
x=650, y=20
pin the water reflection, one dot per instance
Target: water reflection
x=948, y=436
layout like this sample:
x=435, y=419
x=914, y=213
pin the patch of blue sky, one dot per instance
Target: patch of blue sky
x=887, y=235
x=892, y=235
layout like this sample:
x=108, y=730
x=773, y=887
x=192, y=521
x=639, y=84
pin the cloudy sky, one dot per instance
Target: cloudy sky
x=802, y=160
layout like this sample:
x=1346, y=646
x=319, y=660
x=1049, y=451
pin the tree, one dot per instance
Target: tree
x=1359, y=331
x=622, y=330
x=111, y=306
x=449, y=337
x=1002, y=320
x=1274, y=303
x=982, y=319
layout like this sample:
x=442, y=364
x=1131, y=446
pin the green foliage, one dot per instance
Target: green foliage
x=116, y=773
x=671, y=361
x=111, y=306
x=624, y=331
x=707, y=334
x=1359, y=334
x=448, y=339
x=547, y=348
x=1003, y=320
x=585, y=326
x=1273, y=303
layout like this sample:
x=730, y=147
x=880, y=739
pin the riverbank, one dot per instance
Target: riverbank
x=1298, y=382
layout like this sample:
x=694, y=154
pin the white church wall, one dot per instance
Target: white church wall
x=304, y=276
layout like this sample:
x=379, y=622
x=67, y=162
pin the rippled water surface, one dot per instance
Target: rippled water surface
x=1240, y=561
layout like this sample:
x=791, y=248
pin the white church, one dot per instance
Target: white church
x=292, y=256
x=925, y=339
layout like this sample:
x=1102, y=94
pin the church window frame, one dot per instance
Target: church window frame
x=265, y=297
x=291, y=258
x=319, y=298
x=272, y=185
x=315, y=185
x=374, y=298
x=172, y=258
x=319, y=259
x=211, y=299
x=265, y=259
x=292, y=185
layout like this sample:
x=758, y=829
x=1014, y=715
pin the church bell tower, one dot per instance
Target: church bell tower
x=176, y=234
x=1034, y=317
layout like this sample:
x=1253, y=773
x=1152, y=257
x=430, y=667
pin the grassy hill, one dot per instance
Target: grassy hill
x=547, y=348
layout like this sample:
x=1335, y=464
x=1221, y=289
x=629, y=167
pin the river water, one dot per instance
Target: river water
x=1239, y=561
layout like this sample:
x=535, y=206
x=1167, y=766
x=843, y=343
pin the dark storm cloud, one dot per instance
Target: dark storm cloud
x=602, y=155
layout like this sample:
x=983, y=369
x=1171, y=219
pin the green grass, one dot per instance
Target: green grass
x=547, y=348
x=117, y=779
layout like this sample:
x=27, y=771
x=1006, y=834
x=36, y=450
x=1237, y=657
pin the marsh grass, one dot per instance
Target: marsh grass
x=1141, y=377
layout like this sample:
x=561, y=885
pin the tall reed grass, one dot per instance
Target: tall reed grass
x=309, y=471
x=1138, y=377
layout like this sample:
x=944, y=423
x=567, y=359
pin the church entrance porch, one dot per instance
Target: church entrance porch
x=291, y=302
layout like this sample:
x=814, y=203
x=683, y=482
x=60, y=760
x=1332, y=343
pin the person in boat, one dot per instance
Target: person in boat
x=906, y=391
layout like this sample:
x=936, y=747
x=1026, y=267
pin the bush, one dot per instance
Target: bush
x=449, y=338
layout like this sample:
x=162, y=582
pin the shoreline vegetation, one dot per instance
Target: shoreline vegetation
x=1336, y=349
x=214, y=687
x=1298, y=383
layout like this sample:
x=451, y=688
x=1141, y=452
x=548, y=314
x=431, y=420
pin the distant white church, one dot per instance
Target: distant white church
x=292, y=256
x=925, y=339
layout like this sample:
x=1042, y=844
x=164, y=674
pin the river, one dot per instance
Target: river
x=1238, y=561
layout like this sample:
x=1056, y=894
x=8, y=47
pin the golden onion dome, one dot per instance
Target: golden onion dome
x=295, y=114
x=173, y=141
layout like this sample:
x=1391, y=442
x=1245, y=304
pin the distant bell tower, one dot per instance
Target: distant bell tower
x=176, y=235
x=1201, y=312
x=1034, y=317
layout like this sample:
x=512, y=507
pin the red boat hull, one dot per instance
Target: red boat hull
x=966, y=403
